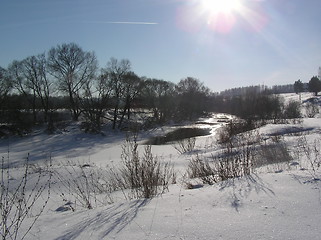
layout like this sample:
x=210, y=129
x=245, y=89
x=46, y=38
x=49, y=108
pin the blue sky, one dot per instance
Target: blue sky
x=259, y=42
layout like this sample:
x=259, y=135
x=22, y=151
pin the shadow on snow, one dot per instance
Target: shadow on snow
x=112, y=220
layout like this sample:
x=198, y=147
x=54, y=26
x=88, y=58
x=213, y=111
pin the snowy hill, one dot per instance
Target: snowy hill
x=278, y=201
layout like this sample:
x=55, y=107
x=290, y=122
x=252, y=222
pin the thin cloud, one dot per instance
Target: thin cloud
x=118, y=22
x=141, y=23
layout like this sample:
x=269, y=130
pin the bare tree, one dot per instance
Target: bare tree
x=73, y=68
x=117, y=71
x=30, y=79
x=95, y=101
x=35, y=72
x=192, y=97
x=5, y=85
x=20, y=83
x=132, y=88
x=159, y=96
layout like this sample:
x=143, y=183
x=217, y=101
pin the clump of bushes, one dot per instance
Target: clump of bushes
x=144, y=176
x=239, y=156
x=311, y=151
x=185, y=145
x=138, y=176
x=236, y=159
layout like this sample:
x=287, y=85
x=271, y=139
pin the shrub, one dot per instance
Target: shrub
x=237, y=159
x=311, y=109
x=199, y=168
x=312, y=153
x=220, y=168
x=185, y=145
x=227, y=133
x=292, y=110
x=144, y=176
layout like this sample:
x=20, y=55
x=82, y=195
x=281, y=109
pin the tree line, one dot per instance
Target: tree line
x=69, y=77
x=314, y=86
x=38, y=88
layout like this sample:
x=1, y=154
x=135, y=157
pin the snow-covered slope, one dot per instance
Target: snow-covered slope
x=268, y=206
x=275, y=202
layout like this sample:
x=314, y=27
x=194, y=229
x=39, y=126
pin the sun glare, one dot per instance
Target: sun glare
x=221, y=15
x=221, y=6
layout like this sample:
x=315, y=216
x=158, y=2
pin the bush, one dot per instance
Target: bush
x=311, y=109
x=227, y=133
x=198, y=168
x=220, y=168
x=185, y=145
x=144, y=176
x=312, y=153
x=237, y=159
x=292, y=110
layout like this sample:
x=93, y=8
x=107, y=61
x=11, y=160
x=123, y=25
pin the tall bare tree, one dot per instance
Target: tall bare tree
x=20, y=83
x=5, y=85
x=159, y=96
x=35, y=73
x=132, y=88
x=73, y=68
x=192, y=98
x=117, y=71
x=30, y=79
x=95, y=101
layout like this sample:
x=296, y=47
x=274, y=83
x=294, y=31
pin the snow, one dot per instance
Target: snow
x=269, y=206
x=275, y=202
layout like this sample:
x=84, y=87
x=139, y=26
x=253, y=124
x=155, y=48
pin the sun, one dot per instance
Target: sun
x=221, y=6
x=221, y=15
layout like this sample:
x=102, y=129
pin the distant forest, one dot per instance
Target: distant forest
x=66, y=84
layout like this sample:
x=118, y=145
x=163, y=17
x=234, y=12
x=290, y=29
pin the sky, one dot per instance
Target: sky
x=224, y=45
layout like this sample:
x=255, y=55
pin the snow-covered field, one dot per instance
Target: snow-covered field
x=281, y=201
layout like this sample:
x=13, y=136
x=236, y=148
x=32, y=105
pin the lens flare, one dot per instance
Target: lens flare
x=221, y=6
x=222, y=16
